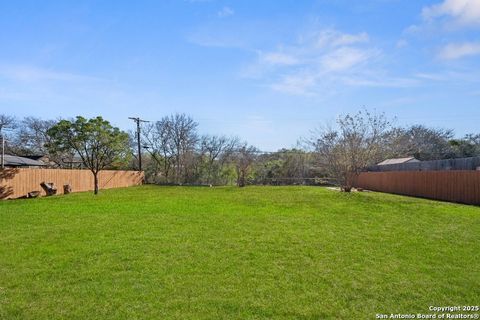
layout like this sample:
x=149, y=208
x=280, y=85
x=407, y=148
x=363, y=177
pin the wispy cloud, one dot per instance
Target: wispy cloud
x=297, y=84
x=225, y=12
x=324, y=60
x=382, y=81
x=65, y=90
x=335, y=38
x=462, y=12
x=447, y=21
x=431, y=76
x=459, y=50
x=446, y=17
x=279, y=58
x=310, y=64
x=344, y=58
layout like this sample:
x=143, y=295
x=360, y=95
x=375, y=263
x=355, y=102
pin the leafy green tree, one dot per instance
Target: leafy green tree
x=95, y=141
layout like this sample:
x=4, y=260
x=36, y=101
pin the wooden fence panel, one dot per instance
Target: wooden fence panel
x=461, y=186
x=15, y=183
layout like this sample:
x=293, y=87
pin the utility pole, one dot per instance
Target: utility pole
x=137, y=121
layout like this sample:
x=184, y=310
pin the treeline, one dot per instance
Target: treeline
x=174, y=152
x=363, y=139
x=177, y=154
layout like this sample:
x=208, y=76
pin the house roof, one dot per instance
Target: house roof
x=398, y=160
x=17, y=161
x=35, y=156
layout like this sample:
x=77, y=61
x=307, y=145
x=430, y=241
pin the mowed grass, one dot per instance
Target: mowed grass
x=229, y=253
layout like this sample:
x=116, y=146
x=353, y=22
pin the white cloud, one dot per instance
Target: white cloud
x=431, y=76
x=344, y=58
x=319, y=62
x=297, y=84
x=278, y=58
x=459, y=50
x=382, y=81
x=335, y=66
x=313, y=62
x=347, y=39
x=334, y=38
x=225, y=12
x=412, y=29
x=464, y=12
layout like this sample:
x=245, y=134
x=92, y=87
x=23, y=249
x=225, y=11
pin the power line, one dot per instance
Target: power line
x=137, y=121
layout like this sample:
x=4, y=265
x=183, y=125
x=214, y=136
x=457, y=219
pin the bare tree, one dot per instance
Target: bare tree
x=184, y=138
x=244, y=158
x=171, y=143
x=356, y=142
x=157, y=138
x=32, y=138
x=216, y=150
x=7, y=121
x=421, y=142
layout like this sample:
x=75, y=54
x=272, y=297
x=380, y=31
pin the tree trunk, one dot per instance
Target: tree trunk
x=348, y=185
x=241, y=180
x=95, y=182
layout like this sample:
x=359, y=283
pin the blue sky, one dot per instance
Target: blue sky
x=266, y=71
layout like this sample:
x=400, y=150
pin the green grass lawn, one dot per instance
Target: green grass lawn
x=229, y=253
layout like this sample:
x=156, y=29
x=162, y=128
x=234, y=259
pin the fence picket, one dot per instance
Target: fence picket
x=18, y=182
x=461, y=186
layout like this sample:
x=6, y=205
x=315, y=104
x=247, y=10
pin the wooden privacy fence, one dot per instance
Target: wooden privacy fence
x=15, y=183
x=461, y=186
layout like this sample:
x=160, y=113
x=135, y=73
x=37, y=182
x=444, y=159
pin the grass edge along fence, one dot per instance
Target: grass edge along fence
x=461, y=186
x=18, y=182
